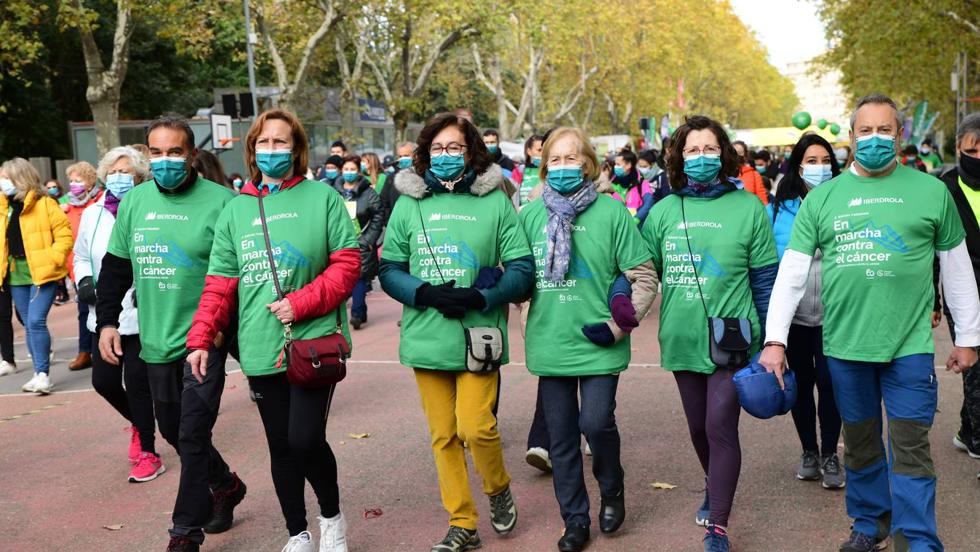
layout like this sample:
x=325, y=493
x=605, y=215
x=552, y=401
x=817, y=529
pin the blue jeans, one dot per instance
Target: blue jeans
x=358, y=306
x=896, y=495
x=32, y=304
x=566, y=422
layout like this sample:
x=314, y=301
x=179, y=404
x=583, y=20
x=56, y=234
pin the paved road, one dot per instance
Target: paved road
x=63, y=466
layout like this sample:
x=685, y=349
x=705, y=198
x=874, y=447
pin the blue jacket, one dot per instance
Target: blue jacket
x=782, y=227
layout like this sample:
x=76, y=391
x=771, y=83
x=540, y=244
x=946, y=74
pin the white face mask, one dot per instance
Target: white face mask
x=7, y=187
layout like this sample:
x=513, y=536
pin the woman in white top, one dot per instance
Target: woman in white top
x=121, y=169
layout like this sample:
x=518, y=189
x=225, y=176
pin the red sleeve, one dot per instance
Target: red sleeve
x=759, y=189
x=330, y=289
x=213, y=312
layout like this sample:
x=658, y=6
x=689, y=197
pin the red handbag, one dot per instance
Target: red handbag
x=310, y=363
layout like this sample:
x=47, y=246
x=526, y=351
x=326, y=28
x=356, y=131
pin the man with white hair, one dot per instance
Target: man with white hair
x=879, y=227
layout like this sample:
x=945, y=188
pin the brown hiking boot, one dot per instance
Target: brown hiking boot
x=81, y=362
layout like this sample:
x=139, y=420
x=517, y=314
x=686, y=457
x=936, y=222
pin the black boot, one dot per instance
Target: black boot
x=612, y=512
x=574, y=539
x=223, y=515
x=182, y=544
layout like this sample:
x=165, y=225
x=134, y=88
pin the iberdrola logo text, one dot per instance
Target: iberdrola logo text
x=861, y=201
x=166, y=216
x=437, y=217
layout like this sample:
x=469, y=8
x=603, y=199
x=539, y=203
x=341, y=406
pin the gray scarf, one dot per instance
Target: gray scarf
x=562, y=211
x=85, y=198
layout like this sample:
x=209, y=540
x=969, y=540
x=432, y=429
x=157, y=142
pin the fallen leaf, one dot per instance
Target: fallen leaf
x=341, y=442
x=358, y=435
x=371, y=513
x=113, y=527
x=664, y=486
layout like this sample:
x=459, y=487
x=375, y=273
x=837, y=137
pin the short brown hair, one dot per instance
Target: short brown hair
x=301, y=145
x=477, y=156
x=351, y=158
x=84, y=170
x=590, y=162
x=730, y=165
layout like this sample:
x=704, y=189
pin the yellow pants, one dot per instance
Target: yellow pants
x=459, y=407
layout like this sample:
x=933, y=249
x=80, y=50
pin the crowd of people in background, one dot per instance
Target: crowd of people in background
x=820, y=259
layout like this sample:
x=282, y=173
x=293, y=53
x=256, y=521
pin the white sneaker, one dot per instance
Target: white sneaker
x=7, y=368
x=302, y=542
x=43, y=385
x=333, y=533
x=31, y=385
x=539, y=458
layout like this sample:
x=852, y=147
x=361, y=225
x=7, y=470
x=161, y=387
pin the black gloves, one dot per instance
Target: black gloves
x=86, y=291
x=450, y=301
x=599, y=334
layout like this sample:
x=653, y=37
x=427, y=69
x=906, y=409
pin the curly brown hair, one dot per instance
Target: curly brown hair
x=476, y=155
x=675, y=159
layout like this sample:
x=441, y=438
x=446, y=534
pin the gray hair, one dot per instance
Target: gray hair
x=879, y=99
x=140, y=164
x=412, y=145
x=969, y=125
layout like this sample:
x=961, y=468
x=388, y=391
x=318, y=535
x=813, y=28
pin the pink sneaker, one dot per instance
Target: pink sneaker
x=148, y=468
x=134, y=446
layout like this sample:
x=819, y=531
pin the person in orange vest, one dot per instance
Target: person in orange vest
x=750, y=177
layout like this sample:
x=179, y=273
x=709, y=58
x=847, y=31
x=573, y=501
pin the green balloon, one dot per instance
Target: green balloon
x=822, y=124
x=835, y=129
x=801, y=120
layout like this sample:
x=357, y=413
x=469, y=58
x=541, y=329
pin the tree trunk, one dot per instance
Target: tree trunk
x=400, y=117
x=105, y=114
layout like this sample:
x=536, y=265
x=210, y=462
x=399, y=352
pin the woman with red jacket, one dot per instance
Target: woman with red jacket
x=317, y=261
x=750, y=177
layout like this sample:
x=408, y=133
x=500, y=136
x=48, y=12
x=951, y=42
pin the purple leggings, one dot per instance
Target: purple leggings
x=712, y=409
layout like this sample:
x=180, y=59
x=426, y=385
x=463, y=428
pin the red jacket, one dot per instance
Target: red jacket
x=753, y=183
x=325, y=293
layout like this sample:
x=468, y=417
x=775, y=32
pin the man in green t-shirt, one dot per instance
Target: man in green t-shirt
x=879, y=227
x=929, y=156
x=161, y=243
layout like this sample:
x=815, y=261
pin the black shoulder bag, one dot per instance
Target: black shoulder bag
x=729, y=338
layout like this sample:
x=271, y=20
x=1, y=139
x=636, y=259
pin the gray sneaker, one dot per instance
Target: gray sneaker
x=503, y=512
x=458, y=540
x=809, y=467
x=833, y=475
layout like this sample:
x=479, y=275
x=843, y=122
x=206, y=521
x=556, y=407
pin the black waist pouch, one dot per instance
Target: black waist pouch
x=729, y=340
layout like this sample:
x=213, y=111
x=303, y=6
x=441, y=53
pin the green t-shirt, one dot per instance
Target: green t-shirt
x=20, y=272
x=380, y=184
x=729, y=236
x=931, y=160
x=879, y=237
x=167, y=237
x=306, y=224
x=529, y=180
x=466, y=233
x=605, y=242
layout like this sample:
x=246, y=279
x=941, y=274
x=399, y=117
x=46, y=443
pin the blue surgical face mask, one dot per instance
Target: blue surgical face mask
x=120, y=183
x=536, y=161
x=169, y=172
x=619, y=171
x=331, y=174
x=647, y=173
x=53, y=192
x=364, y=168
x=815, y=175
x=404, y=162
x=7, y=187
x=274, y=163
x=565, y=180
x=237, y=183
x=760, y=168
x=703, y=169
x=493, y=148
x=350, y=176
x=875, y=151
x=446, y=167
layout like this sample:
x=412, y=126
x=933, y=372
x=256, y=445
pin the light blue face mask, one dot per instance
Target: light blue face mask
x=536, y=161
x=619, y=171
x=446, y=167
x=815, y=175
x=648, y=173
x=565, y=180
x=7, y=187
x=703, y=169
x=274, y=163
x=493, y=148
x=875, y=151
x=350, y=176
x=120, y=183
x=364, y=168
x=331, y=174
x=169, y=172
x=404, y=162
x=761, y=169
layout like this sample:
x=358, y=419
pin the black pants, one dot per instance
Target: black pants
x=6, y=323
x=186, y=412
x=537, y=436
x=295, y=421
x=135, y=402
x=804, y=353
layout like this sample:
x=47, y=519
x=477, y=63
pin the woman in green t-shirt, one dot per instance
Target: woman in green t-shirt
x=450, y=227
x=317, y=262
x=581, y=242
x=713, y=247
x=526, y=176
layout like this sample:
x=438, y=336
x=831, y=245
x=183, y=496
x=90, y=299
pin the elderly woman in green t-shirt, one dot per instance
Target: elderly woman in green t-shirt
x=581, y=243
x=450, y=228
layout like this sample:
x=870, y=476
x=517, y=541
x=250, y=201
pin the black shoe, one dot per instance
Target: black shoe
x=859, y=542
x=223, y=515
x=574, y=539
x=612, y=512
x=458, y=539
x=357, y=322
x=182, y=544
x=503, y=512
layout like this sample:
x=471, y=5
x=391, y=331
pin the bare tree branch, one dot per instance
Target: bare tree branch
x=965, y=22
x=434, y=55
x=277, y=62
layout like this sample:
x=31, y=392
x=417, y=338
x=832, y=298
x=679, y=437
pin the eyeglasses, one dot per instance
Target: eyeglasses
x=452, y=149
x=706, y=150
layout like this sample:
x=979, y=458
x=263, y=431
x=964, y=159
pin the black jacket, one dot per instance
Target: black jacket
x=969, y=218
x=506, y=163
x=370, y=215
